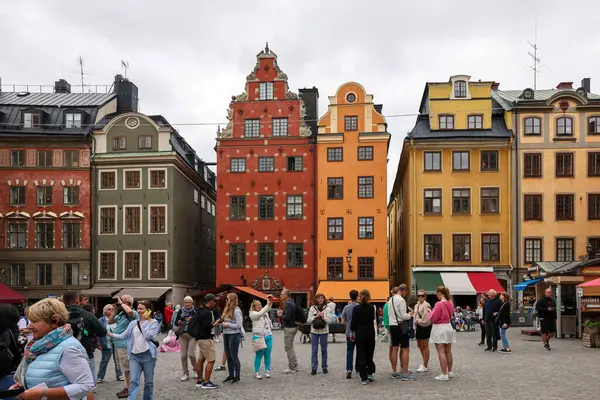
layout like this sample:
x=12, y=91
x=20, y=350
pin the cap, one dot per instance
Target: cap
x=209, y=297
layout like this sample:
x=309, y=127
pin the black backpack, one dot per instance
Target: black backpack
x=10, y=353
x=78, y=326
x=299, y=317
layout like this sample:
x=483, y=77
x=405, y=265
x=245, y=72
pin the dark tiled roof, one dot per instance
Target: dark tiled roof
x=539, y=95
x=422, y=131
x=55, y=99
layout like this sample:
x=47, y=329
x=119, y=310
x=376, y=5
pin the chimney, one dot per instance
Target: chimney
x=378, y=108
x=127, y=94
x=311, y=101
x=565, y=85
x=586, y=84
x=62, y=86
x=495, y=86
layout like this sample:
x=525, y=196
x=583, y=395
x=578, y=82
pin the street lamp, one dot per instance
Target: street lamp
x=348, y=259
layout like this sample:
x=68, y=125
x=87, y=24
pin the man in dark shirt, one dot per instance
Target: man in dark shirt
x=201, y=328
x=490, y=311
x=288, y=317
x=546, y=309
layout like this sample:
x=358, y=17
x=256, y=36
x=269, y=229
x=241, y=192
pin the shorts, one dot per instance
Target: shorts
x=398, y=339
x=423, y=332
x=547, y=325
x=122, y=358
x=207, y=350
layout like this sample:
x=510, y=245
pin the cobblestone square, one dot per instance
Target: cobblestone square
x=569, y=371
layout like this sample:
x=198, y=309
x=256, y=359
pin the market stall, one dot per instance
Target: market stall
x=588, y=294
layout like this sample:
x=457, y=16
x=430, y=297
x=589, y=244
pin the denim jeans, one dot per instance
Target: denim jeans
x=315, y=340
x=232, y=342
x=266, y=353
x=350, y=346
x=505, y=343
x=92, y=365
x=138, y=363
x=5, y=382
x=106, y=355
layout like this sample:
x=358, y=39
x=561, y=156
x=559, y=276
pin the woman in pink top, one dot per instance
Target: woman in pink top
x=442, y=334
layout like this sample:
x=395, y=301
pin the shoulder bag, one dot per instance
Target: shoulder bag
x=258, y=342
x=153, y=341
x=403, y=325
x=318, y=322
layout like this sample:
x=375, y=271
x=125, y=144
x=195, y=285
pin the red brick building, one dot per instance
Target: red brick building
x=266, y=185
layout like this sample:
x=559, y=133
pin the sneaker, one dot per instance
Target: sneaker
x=325, y=371
x=258, y=375
x=371, y=378
x=450, y=374
x=195, y=376
x=289, y=371
x=364, y=382
x=209, y=385
x=99, y=380
x=185, y=377
x=313, y=372
x=348, y=374
x=220, y=368
x=407, y=377
x=121, y=377
x=442, y=377
x=199, y=384
x=480, y=344
x=228, y=379
x=267, y=374
x=235, y=380
x=504, y=351
x=547, y=347
x=422, y=368
x=395, y=375
x=216, y=340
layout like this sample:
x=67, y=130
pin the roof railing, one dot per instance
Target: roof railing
x=51, y=89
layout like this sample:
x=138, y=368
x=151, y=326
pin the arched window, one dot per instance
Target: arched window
x=533, y=126
x=564, y=126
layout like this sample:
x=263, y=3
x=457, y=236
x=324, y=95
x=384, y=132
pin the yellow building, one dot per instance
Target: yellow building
x=450, y=209
x=556, y=173
x=352, y=148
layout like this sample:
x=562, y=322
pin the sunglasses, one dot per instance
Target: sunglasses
x=421, y=295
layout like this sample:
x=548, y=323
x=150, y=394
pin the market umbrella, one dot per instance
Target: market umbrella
x=594, y=283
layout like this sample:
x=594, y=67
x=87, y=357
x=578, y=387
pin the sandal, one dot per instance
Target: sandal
x=123, y=394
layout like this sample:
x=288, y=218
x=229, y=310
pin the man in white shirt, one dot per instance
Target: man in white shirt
x=22, y=324
x=400, y=333
x=331, y=305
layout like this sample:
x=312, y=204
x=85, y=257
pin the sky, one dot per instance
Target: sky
x=188, y=57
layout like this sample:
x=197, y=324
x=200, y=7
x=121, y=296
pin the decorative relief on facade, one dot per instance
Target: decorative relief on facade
x=228, y=131
x=4, y=158
x=84, y=158
x=241, y=97
x=267, y=283
x=304, y=129
x=58, y=161
x=289, y=95
x=30, y=158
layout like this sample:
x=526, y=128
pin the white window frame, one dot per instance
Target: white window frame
x=203, y=202
x=150, y=219
x=141, y=254
x=150, y=179
x=71, y=120
x=150, y=265
x=100, y=252
x=267, y=89
x=65, y=272
x=125, y=179
x=125, y=207
x=196, y=196
x=100, y=221
x=102, y=171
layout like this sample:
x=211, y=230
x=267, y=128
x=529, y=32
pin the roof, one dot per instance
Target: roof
x=423, y=131
x=555, y=266
x=55, y=99
x=538, y=95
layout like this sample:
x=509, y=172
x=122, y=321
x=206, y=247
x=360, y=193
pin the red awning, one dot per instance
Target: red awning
x=594, y=283
x=252, y=292
x=484, y=281
x=7, y=295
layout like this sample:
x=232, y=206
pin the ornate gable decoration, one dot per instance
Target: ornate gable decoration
x=267, y=284
x=44, y=215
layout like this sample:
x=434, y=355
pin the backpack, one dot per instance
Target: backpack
x=299, y=317
x=9, y=359
x=78, y=326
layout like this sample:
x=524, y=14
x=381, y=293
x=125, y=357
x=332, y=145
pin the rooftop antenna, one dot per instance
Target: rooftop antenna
x=81, y=71
x=125, y=66
x=536, y=60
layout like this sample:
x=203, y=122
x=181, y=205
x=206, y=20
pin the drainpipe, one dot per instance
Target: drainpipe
x=414, y=202
x=517, y=175
x=93, y=189
x=315, y=219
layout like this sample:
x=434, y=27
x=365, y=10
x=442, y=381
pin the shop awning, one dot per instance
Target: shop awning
x=339, y=290
x=101, y=291
x=519, y=287
x=594, y=283
x=459, y=282
x=251, y=292
x=144, y=293
x=7, y=295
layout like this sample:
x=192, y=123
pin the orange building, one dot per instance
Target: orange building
x=352, y=149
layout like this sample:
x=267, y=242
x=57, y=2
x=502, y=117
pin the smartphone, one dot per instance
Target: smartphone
x=5, y=394
x=148, y=312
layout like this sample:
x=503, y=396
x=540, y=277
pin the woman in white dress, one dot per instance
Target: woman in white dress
x=442, y=334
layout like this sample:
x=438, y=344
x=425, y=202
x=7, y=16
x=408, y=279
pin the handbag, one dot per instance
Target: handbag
x=318, y=322
x=403, y=325
x=258, y=344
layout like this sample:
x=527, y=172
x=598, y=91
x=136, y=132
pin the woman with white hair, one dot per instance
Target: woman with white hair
x=186, y=341
x=108, y=346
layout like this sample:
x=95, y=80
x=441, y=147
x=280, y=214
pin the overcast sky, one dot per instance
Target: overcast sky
x=189, y=57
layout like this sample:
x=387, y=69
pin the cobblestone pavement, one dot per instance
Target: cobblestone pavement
x=569, y=371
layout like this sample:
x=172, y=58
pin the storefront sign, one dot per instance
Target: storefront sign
x=50, y=296
x=590, y=271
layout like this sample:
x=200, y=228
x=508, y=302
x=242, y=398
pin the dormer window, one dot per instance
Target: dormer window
x=564, y=126
x=120, y=143
x=460, y=89
x=265, y=91
x=145, y=142
x=72, y=120
x=32, y=119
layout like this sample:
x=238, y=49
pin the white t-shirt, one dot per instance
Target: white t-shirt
x=22, y=324
x=140, y=344
x=331, y=306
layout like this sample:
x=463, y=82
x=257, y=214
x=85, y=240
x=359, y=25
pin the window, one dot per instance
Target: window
x=433, y=161
x=107, y=266
x=132, y=265
x=365, y=227
x=145, y=142
x=489, y=160
x=17, y=158
x=158, y=219
x=294, y=164
x=120, y=143
x=490, y=200
x=71, y=195
x=366, y=268
x=44, y=158
x=17, y=235
x=351, y=123
x=564, y=249
x=280, y=126
x=266, y=207
x=71, y=235
x=433, y=247
x=237, y=165
x=460, y=89
x=461, y=201
x=595, y=242
x=461, y=247
x=196, y=196
x=432, y=201
x=335, y=154
x=266, y=255
x=17, y=195
x=335, y=268
x=475, y=121
x=365, y=153
x=594, y=126
x=108, y=180
x=17, y=275
x=72, y=274
x=71, y=158
x=252, y=128
x=335, y=188
x=72, y=120
x=365, y=187
x=564, y=207
x=593, y=206
x=32, y=120
x=533, y=126
x=237, y=256
x=446, y=121
x=158, y=265
x=533, y=250
x=490, y=247
x=44, y=235
x=237, y=208
x=335, y=228
x=44, y=274
x=133, y=219
x=295, y=255
x=294, y=207
x=533, y=165
x=265, y=91
x=564, y=165
x=266, y=164
x=533, y=207
x=44, y=195
x=158, y=178
x=203, y=202
x=594, y=164
x=460, y=160
x=133, y=179
x=564, y=126
x=107, y=220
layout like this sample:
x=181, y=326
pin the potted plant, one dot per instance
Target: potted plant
x=592, y=327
